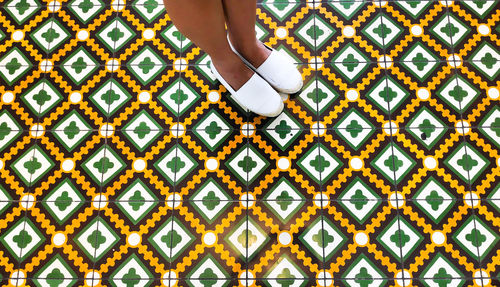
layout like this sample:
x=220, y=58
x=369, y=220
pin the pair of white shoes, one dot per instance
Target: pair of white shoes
x=260, y=93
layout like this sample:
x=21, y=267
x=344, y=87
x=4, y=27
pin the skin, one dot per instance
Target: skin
x=204, y=21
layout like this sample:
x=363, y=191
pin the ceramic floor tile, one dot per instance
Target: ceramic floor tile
x=351, y=170
x=358, y=243
x=467, y=19
x=124, y=162
x=287, y=18
x=315, y=96
x=278, y=252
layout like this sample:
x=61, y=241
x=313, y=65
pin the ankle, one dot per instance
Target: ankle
x=247, y=48
x=234, y=71
x=256, y=53
x=224, y=58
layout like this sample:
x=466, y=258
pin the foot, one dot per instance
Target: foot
x=256, y=53
x=233, y=70
x=256, y=95
x=272, y=66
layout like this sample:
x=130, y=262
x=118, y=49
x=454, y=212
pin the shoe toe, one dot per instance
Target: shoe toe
x=281, y=73
x=292, y=80
x=272, y=106
x=255, y=95
x=259, y=97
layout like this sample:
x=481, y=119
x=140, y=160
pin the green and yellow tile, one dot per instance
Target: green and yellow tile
x=124, y=162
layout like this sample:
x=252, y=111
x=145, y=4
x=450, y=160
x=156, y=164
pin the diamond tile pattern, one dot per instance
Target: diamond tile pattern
x=123, y=162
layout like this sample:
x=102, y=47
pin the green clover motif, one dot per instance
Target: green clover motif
x=103, y=165
x=414, y=3
x=322, y=238
x=247, y=238
x=115, y=34
x=109, y=97
x=382, y=30
x=319, y=163
x=208, y=278
x=283, y=129
x=354, y=128
x=495, y=126
x=32, y=165
x=363, y=278
x=347, y=3
x=315, y=32
x=449, y=29
x=426, y=128
x=150, y=5
x=79, y=65
x=13, y=65
x=420, y=61
x=458, y=93
x=210, y=201
x=284, y=200
x=136, y=200
x=55, y=278
x=4, y=130
x=50, y=35
x=350, y=62
x=63, y=201
x=95, y=239
x=146, y=65
x=86, y=5
x=171, y=239
x=22, y=6
x=442, y=278
x=41, y=97
x=247, y=163
x=388, y=94
x=142, y=130
x=179, y=97
x=393, y=163
x=434, y=200
x=400, y=238
x=71, y=130
x=179, y=36
x=467, y=162
x=285, y=278
x=475, y=237
x=131, y=279
x=213, y=130
x=359, y=199
x=280, y=5
x=317, y=95
x=22, y=239
x=480, y=3
x=175, y=164
x=488, y=60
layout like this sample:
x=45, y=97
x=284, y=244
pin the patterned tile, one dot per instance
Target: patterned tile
x=124, y=162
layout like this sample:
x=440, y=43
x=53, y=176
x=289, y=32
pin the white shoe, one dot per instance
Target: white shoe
x=255, y=95
x=277, y=70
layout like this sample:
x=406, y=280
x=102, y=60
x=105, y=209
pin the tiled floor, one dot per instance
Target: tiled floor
x=124, y=163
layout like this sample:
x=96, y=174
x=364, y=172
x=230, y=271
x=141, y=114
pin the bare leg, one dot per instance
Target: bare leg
x=240, y=17
x=202, y=21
